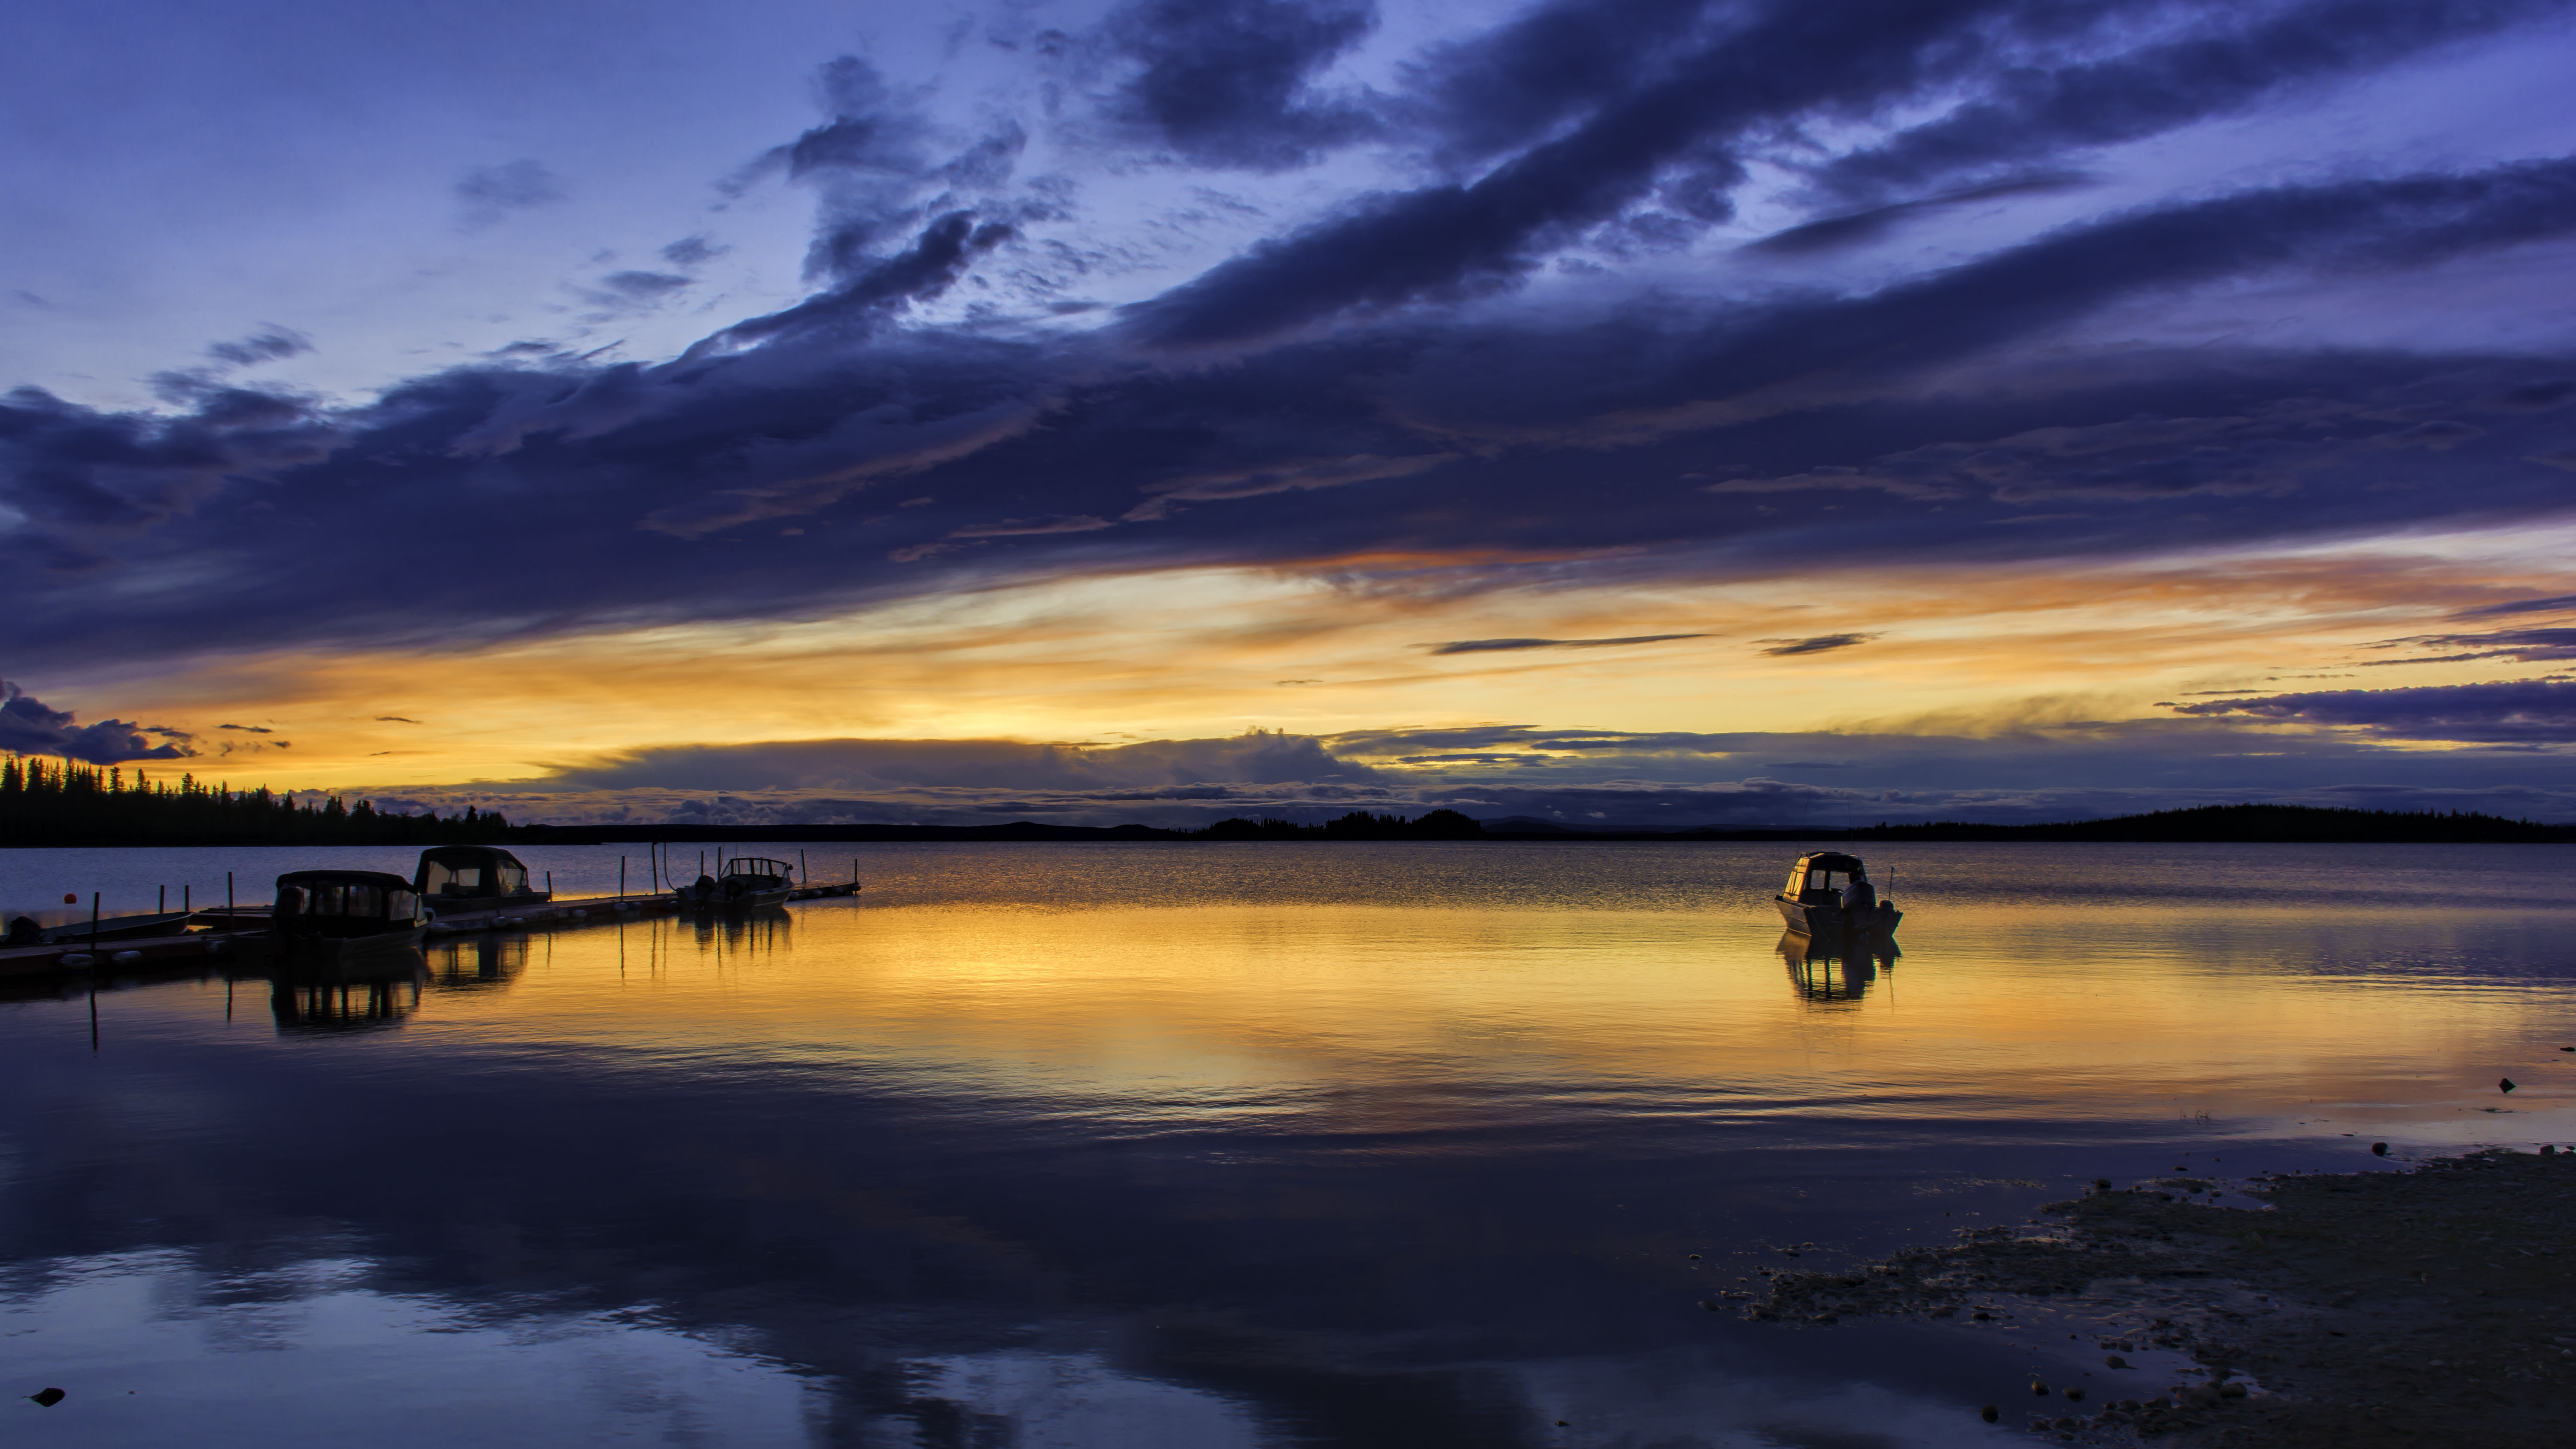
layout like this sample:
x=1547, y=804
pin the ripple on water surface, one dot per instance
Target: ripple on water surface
x=1193, y=1145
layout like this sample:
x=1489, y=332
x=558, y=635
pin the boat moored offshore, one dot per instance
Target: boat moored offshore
x=746, y=881
x=1829, y=894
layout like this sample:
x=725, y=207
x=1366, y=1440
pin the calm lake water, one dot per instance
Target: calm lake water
x=1185, y=1145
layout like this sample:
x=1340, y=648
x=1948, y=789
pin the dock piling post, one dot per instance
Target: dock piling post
x=621, y=877
x=801, y=873
x=163, y=909
x=229, y=922
x=93, y=921
x=550, y=882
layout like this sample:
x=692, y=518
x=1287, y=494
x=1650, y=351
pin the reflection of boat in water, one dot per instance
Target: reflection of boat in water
x=1813, y=904
x=473, y=878
x=478, y=963
x=747, y=881
x=1835, y=970
x=374, y=989
x=337, y=915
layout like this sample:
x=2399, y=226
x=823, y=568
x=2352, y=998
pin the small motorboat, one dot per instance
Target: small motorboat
x=106, y=928
x=1829, y=894
x=746, y=881
x=333, y=915
x=473, y=878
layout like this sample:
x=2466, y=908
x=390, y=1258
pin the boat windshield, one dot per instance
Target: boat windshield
x=345, y=898
x=445, y=880
x=350, y=900
x=438, y=878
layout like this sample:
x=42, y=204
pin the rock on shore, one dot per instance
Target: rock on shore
x=2353, y=1310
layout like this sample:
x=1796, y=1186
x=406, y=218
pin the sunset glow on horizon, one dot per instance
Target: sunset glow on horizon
x=1643, y=413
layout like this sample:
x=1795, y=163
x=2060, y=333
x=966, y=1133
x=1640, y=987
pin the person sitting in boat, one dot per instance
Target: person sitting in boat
x=1860, y=895
x=23, y=931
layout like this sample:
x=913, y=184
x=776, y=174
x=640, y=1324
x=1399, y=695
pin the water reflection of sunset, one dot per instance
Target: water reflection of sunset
x=1028, y=1131
x=1375, y=1018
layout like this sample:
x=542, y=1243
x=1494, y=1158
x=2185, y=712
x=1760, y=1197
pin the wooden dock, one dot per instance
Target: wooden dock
x=212, y=946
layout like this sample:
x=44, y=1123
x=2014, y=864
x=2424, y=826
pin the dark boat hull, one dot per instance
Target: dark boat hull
x=716, y=901
x=118, y=928
x=334, y=949
x=1821, y=920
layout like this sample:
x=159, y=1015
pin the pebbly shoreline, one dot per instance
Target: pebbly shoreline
x=2348, y=1309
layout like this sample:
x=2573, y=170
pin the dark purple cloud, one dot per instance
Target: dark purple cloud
x=1553, y=63
x=27, y=727
x=492, y=192
x=2535, y=711
x=1453, y=240
x=1819, y=644
x=1229, y=82
x=1582, y=779
x=2522, y=646
x=2022, y=112
x=1489, y=646
x=269, y=345
x=1255, y=759
x=1856, y=227
x=539, y=493
x=2559, y=604
x=642, y=285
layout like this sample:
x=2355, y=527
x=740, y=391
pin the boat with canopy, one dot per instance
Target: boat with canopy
x=742, y=883
x=336, y=914
x=1829, y=894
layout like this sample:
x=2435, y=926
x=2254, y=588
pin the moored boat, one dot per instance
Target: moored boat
x=746, y=881
x=1816, y=903
x=336, y=914
x=473, y=878
x=109, y=928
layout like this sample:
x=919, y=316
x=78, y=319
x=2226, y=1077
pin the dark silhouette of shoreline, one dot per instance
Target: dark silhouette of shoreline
x=67, y=805
x=61, y=806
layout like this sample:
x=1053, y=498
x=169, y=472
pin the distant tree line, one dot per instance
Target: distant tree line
x=67, y=804
x=2286, y=824
x=1358, y=825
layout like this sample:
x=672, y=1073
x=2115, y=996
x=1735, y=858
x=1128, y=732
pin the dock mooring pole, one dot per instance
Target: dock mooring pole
x=802, y=873
x=621, y=877
x=93, y=920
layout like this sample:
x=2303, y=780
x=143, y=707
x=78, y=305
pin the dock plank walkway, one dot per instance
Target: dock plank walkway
x=216, y=944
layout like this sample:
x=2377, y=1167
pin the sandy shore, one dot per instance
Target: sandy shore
x=2431, y=1306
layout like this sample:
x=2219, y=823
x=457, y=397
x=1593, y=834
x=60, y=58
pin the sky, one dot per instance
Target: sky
x=1631, y=413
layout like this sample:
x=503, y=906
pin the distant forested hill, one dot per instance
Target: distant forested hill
x=67, y=805
x=54, y=805
x=2305, y=824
